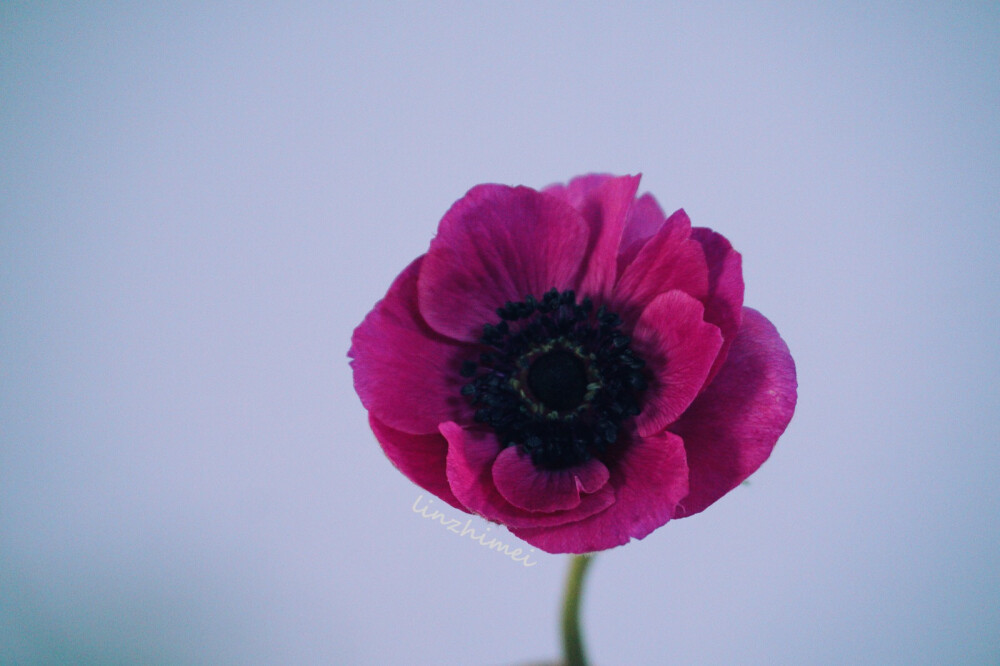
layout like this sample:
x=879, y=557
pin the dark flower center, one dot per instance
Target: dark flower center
x=557, y=379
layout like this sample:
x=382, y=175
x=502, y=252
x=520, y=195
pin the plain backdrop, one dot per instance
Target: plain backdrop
x=200, y=201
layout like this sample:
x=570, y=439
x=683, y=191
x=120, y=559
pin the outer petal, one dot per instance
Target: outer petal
x=406, y=374
x=580, y=190
x=421, y=458
x=605, y=202
x=498, y=244
x=668, y=260
x=724, y=305
x=644, y=219
x=471, y=455
x=532, y=489
x=679, y=348
x=730, y=430
x=649, y=480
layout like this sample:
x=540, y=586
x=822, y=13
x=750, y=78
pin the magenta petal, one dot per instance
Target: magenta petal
x=532, y=489
x=670, y=259
x=498, y=244
x=421, y=458
x=650, y=480
x=407, y=375
x=724, y=305
x=605, y=203
x=602, y=198
x=730, y=430
x=679, y=348
x=580, y=190
x=644, y=219
x=591, y=476
x=471, y=456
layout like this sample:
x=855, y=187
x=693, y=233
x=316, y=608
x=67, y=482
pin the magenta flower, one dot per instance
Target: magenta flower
x=573, y=364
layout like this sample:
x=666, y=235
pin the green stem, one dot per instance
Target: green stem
x=571, y=634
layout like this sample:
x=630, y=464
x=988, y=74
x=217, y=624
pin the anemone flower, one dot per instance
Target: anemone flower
x=573, y=364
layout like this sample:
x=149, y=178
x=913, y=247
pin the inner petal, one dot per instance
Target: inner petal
x=681, y=347
x=532, y=489
x=471, y=456
x=497, y=244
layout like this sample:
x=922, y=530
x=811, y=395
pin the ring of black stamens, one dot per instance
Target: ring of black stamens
x=558, y=379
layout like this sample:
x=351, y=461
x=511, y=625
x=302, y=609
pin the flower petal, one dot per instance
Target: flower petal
x=730, y=430
x=532, y=489
x=471, y=456
x=407, y=375
x=679, y=348
x=421, y=458
x=724, y=305
x=605, y=202
x=649, y=480
x=498, y=244
x=644, y=219
x=670, y=259
x=580, y=190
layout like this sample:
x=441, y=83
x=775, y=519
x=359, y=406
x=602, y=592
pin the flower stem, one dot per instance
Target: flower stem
x=571, y=634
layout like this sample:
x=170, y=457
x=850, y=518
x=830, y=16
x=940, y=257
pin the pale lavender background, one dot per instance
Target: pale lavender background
x=198, y=206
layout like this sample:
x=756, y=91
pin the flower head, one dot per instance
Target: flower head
x=573, y=364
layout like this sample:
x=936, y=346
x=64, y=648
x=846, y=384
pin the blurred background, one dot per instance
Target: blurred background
x=199, y=203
